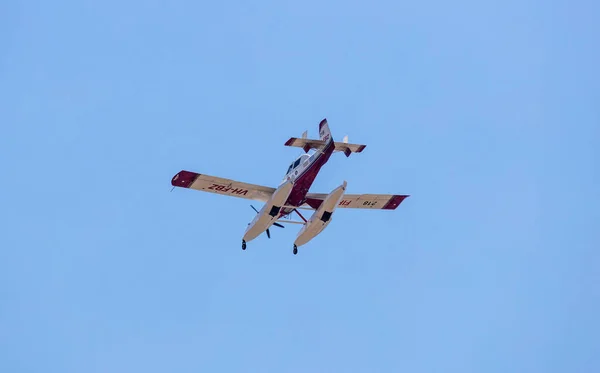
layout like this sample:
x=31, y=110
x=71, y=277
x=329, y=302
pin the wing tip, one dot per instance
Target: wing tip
x=395, y=201
x=184, y=179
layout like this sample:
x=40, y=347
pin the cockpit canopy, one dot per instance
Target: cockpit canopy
x=297, y=162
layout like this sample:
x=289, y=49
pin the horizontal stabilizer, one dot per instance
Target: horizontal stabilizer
x=305, y=143
x=308, y=144
x=348, y=148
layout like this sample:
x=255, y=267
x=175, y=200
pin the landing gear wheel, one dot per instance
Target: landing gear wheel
x=243, y=245
x=295, y=250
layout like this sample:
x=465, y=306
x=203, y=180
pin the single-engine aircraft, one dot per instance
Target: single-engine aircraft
x=292, y=193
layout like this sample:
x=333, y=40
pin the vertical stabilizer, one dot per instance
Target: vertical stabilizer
x=324, y=132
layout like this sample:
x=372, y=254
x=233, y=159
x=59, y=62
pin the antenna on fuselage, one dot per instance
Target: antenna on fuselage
x=304, y=136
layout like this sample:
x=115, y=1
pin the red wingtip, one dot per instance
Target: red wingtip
x=184, y=179
x=394, y=202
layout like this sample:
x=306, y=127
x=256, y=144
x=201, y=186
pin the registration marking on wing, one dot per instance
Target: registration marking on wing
x=228, y=189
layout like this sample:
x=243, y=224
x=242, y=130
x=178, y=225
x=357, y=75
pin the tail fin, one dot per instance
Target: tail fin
x=324, y=131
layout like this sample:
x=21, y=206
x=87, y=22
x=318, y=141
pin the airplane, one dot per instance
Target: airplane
x=292, y=194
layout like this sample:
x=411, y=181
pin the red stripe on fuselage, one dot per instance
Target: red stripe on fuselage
x=303, y=182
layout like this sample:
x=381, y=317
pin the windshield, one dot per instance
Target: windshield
x=296, y=163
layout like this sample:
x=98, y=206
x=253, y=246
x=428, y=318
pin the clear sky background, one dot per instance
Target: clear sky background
x=488, y=114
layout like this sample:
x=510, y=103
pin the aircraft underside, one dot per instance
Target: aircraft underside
x=274, y=214
x=292, y=195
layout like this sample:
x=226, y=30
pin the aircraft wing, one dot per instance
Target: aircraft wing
x=360, y=201
x=219, y=185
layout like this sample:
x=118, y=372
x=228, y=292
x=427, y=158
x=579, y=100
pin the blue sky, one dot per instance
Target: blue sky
x=486, y=113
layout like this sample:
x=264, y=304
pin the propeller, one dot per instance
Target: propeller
x=275, y=224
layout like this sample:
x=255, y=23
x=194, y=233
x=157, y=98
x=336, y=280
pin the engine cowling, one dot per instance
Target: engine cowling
x=321, y=217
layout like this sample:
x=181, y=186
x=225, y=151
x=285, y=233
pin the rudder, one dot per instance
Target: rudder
x=324, y=131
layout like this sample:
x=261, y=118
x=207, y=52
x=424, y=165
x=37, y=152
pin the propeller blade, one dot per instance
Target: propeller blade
x=278, y=225
x=254, y=209
x=268, y=233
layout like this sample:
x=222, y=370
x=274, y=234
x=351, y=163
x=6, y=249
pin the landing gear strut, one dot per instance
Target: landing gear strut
x=295, y=250
x=243, y=245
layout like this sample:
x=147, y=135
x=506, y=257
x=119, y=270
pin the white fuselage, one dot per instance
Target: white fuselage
x=291, y=193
